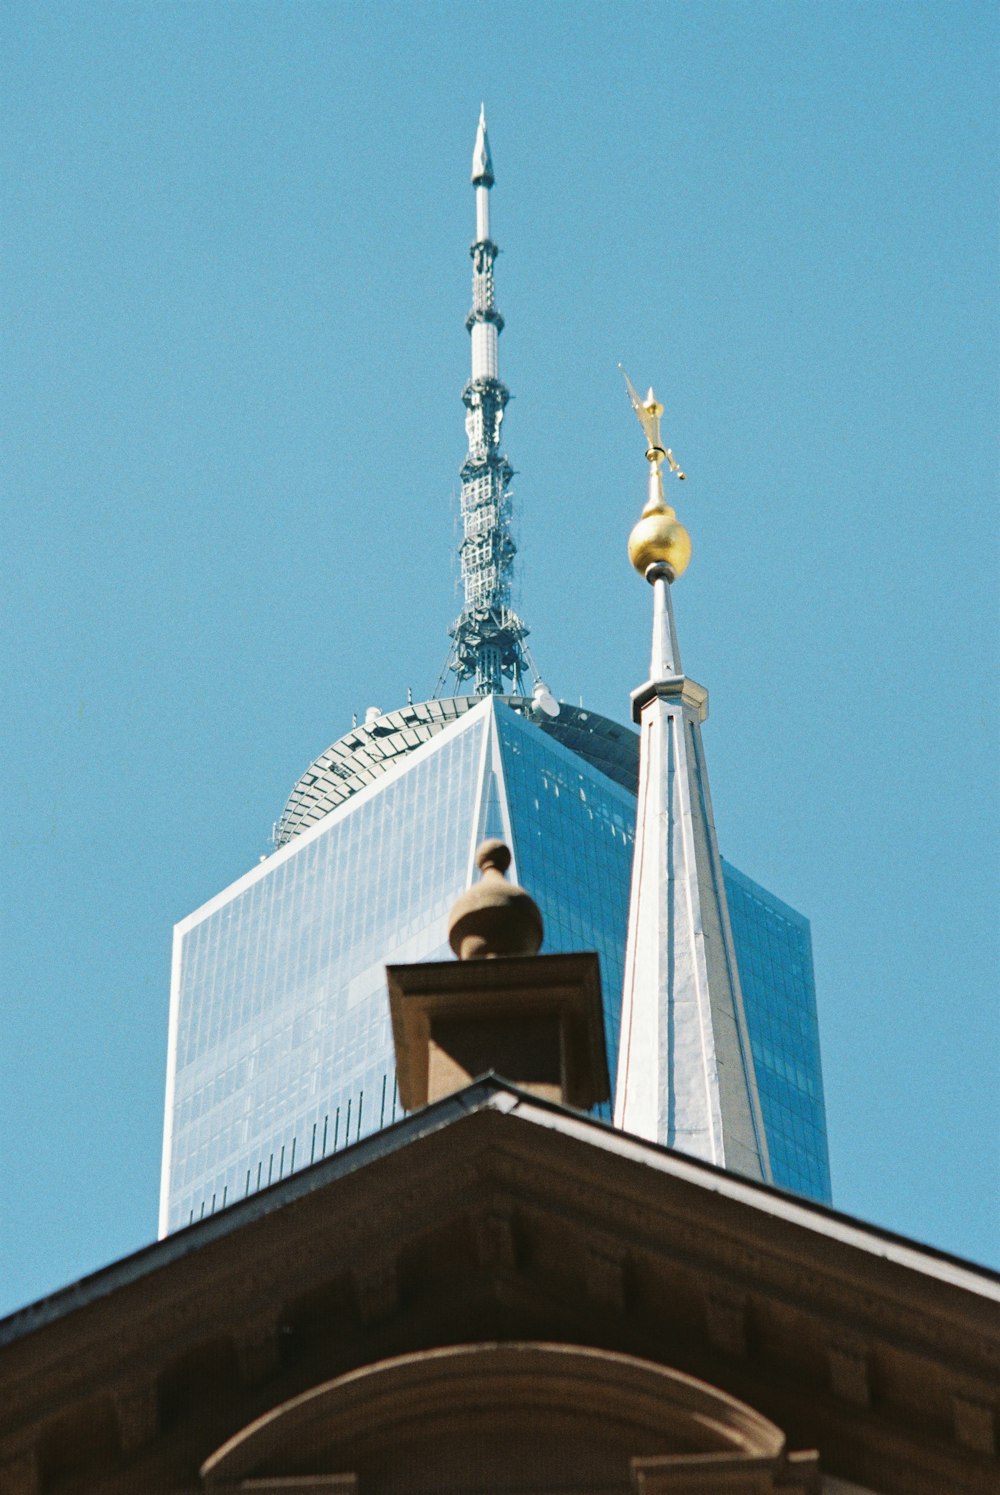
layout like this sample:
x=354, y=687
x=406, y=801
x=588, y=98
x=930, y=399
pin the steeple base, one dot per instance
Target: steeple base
x=678, y=687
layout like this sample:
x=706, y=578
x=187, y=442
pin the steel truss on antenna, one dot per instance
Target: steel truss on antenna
x=488, y=636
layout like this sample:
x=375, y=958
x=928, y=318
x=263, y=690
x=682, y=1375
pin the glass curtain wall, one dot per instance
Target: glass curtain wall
x=281, y=1046
x=774, y=955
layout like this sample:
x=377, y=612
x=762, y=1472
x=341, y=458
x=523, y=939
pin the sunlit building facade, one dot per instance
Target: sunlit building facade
x=280, y=1047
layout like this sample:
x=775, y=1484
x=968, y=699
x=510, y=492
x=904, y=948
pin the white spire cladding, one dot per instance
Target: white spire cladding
x=488, y=636
x=685, y=1070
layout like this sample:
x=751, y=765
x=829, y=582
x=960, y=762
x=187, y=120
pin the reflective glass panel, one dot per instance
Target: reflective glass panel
x=283, y=1047
x=283, y=1042
x=774, y=955
x=574, y=830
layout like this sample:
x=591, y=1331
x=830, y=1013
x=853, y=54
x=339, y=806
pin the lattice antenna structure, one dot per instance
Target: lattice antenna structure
x=488, y=636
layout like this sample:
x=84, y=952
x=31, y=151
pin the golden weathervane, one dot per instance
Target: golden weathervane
x=658, y=539
x=647, y=413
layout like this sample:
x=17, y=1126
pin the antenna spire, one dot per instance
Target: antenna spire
x=482, y=165
x=488, y=636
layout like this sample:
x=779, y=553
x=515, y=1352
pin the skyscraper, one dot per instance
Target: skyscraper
x=280, y=1049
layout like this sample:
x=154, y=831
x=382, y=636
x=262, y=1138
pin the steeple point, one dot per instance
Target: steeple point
x=685, y=1071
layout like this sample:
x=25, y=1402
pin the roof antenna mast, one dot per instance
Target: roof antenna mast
x=488, y=636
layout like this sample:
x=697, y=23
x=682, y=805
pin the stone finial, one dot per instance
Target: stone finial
x=494, y=917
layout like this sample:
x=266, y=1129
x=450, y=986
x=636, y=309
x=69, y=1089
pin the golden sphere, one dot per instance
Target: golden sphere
x=659, y=537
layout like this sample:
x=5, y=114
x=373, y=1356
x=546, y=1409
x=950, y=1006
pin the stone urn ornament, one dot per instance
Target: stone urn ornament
x=494, y=917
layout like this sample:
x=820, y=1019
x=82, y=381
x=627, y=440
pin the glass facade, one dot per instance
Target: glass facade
x=281, y=1048
x=280, y=1045
x=774, y=955
x=573, y=831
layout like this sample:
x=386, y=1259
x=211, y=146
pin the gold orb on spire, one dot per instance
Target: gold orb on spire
x=659, y=536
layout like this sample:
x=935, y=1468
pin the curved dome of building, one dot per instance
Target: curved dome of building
x=372, y=749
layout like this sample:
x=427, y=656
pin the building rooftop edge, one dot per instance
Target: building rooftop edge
x=492, y=1093
x=752, y=886
x=612, y=736
x=367, y=751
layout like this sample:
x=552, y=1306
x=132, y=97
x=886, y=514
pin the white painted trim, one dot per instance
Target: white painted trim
x=477, y=808
x=729, y=946
x=498, y=768
x=817, y=1218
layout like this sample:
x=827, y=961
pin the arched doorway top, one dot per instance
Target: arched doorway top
x=477, y=1407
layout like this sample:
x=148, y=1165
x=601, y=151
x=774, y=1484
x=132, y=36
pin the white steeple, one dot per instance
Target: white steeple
x=685, y=1071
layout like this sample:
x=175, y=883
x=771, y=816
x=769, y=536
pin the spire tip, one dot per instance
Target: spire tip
x=482, y=164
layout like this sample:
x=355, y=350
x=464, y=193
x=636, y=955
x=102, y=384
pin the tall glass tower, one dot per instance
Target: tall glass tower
x=280, y=1049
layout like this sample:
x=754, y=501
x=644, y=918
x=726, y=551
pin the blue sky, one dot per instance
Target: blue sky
x=235, y=283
